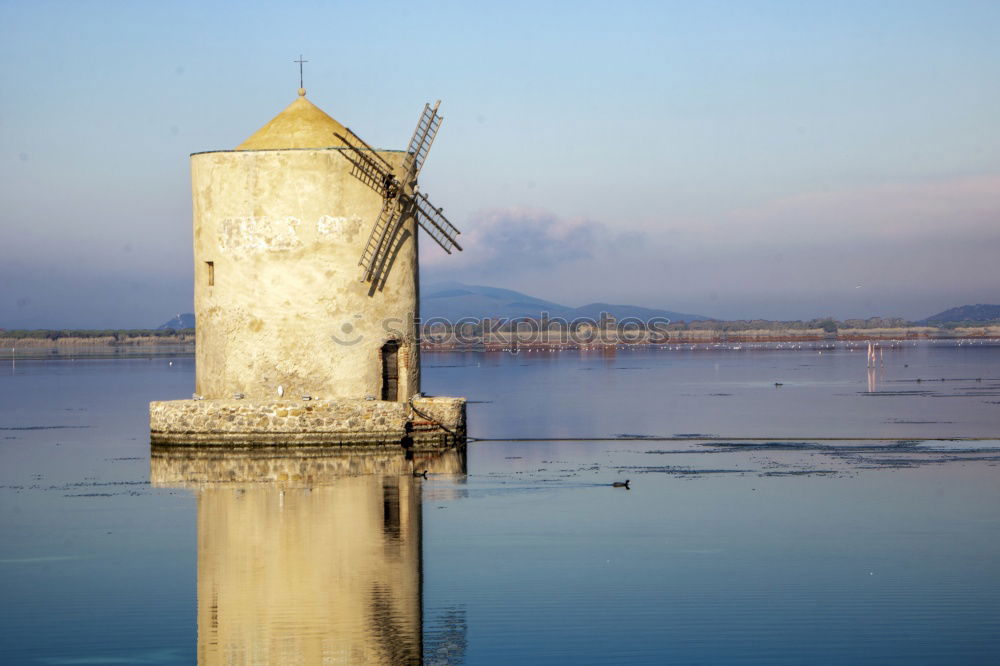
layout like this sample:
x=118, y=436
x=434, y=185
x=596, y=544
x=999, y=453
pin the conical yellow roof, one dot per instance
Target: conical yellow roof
x=301, y=125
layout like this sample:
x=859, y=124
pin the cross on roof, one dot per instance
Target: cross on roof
x=300, y=61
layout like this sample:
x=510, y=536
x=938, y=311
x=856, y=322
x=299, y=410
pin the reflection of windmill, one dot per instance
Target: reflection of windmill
x=401, y=199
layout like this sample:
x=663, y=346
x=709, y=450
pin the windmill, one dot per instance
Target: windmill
x=400, y=197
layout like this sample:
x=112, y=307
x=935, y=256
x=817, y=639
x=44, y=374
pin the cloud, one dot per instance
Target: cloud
x=916, y=248
x=522, y=239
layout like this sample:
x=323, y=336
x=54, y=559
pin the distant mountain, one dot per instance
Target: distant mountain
x=454, y=300
x=185, y=320
x=978, y=312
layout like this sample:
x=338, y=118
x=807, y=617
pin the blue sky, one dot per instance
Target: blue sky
x=734, y=159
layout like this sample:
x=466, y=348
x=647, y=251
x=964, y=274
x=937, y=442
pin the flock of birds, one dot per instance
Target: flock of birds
x=851, y=345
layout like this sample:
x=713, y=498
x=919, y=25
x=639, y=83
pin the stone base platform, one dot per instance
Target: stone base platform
x=422, y=423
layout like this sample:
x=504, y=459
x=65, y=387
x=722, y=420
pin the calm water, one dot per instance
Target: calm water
x=824, y=519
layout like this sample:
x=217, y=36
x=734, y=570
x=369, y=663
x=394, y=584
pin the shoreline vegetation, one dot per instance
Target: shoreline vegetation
x=525, y=335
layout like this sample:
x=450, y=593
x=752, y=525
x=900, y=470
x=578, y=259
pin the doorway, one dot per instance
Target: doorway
x=390, y=370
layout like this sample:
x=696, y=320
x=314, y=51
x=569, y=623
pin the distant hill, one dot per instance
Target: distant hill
x=978, y=312
x=179, y=322
x=454, y=300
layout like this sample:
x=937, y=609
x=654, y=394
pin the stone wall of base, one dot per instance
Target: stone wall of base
x=429, y=422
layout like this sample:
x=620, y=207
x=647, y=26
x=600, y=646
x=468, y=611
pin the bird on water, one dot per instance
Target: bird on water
x=621, y=484
x=420, y=475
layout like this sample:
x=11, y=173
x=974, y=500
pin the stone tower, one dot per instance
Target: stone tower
x=292, y=346
x=279, y=224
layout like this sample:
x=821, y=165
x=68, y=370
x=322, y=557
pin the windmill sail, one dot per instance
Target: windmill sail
x=382, y=261
x=423, y=137
x=374, y=172
x=436, y=224
x=378, y=240
x=398, y=204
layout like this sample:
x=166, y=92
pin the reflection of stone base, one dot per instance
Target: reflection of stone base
x=424, y=423
x=177, y=466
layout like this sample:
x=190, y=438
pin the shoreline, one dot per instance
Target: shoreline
x=184, y=345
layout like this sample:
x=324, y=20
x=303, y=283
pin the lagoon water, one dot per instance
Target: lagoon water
x=785, y=506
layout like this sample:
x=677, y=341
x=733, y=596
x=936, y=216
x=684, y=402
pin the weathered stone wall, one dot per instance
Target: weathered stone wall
x=432, y=414
x=277, y=239
x=356, y=423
